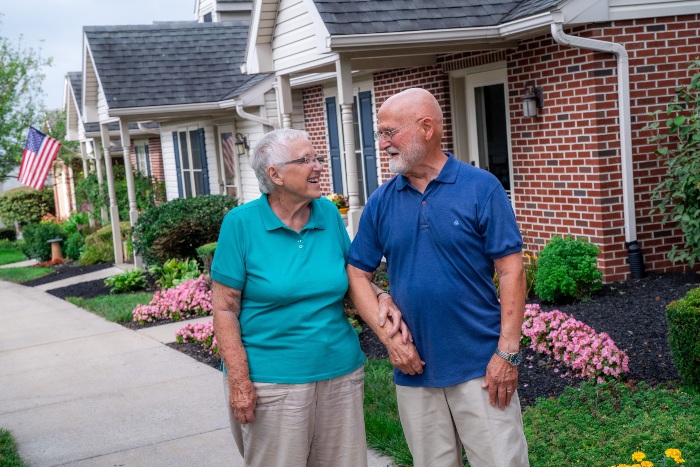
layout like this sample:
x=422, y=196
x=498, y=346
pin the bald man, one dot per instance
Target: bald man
x=444, y=227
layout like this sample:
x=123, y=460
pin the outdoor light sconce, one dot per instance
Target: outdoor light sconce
x=532, y=100
x=241, y=144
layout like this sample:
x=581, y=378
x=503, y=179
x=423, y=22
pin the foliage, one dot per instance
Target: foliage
x=9, y=454
x=128, y=281
x=70, y=150
x=190, y=298
x=382, y=423
x=679, y=147
x=25, y=205
x=148, y=193
x=199, y=333
x=683, y=331
x=99, y=247
x=174, y=272
x=672, y=458
x=355, y=323
x=20, y=100
x=75, y=229
x=596, y=424
x=205, y=253
x=36, y=237
x=589, y=354
x=566, y=270
x=176, y=228
x=19, y=275
x=339, y=200
x=115, y=308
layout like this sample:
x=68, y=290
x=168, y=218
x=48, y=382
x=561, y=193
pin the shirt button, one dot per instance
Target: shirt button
x=301, y=246
x=423, y=203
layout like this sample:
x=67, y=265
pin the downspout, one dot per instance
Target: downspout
x=634, y=252
x=248, y=116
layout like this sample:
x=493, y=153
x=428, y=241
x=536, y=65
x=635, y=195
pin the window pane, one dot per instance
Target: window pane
x=198, y=182
x=184, y=151
x=188, y=183
x=196, y=156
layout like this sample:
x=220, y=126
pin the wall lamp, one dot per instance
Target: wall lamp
x=532, y=100
x=241, y=144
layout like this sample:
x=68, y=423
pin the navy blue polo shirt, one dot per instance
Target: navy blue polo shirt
x=440, y=246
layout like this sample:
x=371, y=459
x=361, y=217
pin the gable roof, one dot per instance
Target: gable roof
x=171, y=63
x=343, y=17
x=75, y=78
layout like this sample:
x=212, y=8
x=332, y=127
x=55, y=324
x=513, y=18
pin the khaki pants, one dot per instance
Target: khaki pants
x=317, y=424
x=438, y=421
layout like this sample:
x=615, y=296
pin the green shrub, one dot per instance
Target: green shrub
x=26, y=205
x=173, y=272
x=566, y=270
x=148, y=193
x=99, y=247
x=75, y=228
x=8, y=233
x=175, y=229
x=205, y=253
x=36, y=237
x=128, y=281
x=683, y=331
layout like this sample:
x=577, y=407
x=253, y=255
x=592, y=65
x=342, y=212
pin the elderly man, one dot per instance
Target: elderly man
x=443, y=227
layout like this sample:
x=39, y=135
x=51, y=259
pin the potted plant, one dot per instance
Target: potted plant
x=340, y=201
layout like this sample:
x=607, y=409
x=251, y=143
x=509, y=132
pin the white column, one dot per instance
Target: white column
x=100, y=178
x=113, y=208
x=345, y=97
x=284, y=100
x=131, y=191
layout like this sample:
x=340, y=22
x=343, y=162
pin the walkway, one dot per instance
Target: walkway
x=78, y=390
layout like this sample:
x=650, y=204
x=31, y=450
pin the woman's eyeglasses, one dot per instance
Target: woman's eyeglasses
x=308, y=160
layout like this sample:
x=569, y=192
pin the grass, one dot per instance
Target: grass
x=10, y=255
x=19, y=275
x=597, y=425
x=116, y=308
x=9, y=456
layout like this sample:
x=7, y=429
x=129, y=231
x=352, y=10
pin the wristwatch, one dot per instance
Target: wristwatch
x=512, y=358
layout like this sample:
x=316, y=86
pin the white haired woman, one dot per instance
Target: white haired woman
x=293, y=365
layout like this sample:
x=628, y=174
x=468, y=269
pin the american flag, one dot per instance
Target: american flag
x=228, y=148
x=39, y=152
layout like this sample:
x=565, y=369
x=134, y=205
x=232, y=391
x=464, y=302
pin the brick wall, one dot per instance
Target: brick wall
x=155, y=152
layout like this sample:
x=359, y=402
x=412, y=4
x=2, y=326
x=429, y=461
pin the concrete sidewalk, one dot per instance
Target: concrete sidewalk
x=76, y=389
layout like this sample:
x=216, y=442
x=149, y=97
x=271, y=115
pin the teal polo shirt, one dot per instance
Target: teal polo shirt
x=293, y=323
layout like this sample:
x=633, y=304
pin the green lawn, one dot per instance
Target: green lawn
x=596, y=425
x=19, y=275
x=116, y=308
x=10, y=255
x=9, y=457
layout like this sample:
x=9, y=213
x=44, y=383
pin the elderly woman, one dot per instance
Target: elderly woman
x=294, y=375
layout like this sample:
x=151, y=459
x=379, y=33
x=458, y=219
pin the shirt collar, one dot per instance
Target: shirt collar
x=272, y=222
x=448, y=174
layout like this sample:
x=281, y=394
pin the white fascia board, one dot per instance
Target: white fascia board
x=310, y=65
x=238, y=6
x=622, y=10
x=163, y=109
x=312, y=78
x=254, y=96
x=437, y=36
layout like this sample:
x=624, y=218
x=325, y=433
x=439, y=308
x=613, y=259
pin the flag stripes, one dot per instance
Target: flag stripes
x=39, y=152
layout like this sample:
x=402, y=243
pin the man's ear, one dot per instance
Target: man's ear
x=274, y=175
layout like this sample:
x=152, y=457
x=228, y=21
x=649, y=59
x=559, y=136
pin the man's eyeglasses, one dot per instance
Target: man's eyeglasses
x=308, y=160
x=388, y=134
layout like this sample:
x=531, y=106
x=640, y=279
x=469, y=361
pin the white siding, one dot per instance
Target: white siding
x=293, y=42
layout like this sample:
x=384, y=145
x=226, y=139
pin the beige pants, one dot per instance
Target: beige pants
x=318, y=424
x=438, y=421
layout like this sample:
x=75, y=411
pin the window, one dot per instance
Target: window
x=191, y=162
x=143, y=162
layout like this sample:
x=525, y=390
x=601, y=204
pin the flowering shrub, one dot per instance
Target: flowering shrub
x=200, y=333
x=673, y=457
x=190, y=298
x=589, y=354
x=339, y=200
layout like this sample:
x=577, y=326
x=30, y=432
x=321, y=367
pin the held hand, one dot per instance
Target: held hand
x=389, y=310
x=404, y=356
x=501, y=381
x=242, y=399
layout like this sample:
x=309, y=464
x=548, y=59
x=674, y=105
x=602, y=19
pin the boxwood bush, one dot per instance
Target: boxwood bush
x=175, y=229
x=567, y=271
x=36, y=237
x=99, y=247
x=683, y=331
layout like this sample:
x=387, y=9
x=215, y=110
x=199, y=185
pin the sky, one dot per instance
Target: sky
x=55, y=27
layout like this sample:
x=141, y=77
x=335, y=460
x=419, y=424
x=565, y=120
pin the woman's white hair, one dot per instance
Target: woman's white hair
x=273, y=149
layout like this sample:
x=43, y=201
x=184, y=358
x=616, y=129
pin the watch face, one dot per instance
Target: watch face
x=515, y=359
